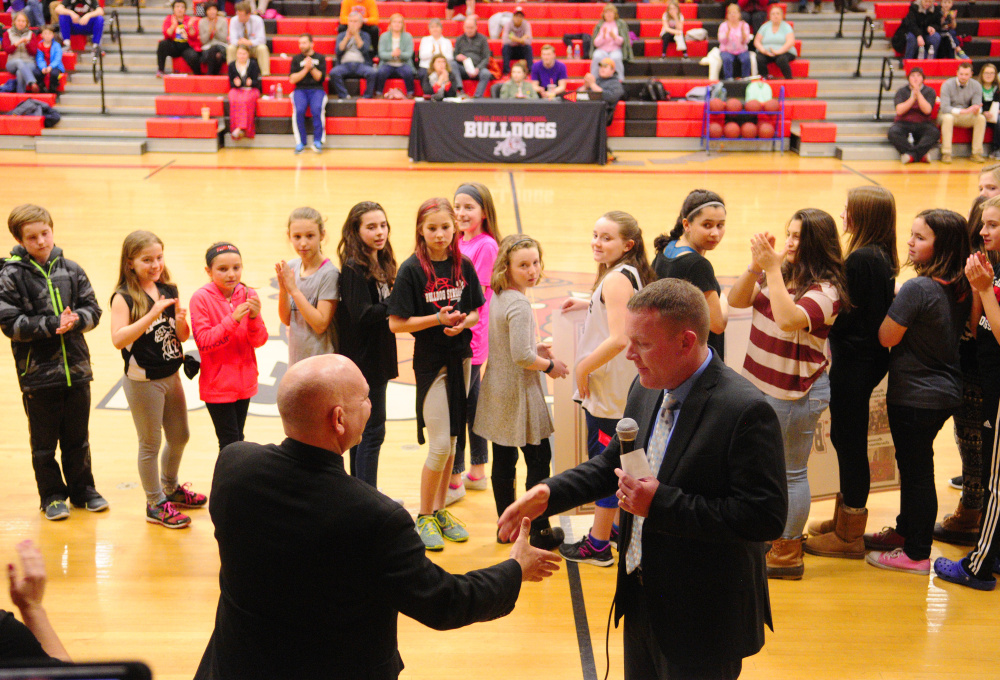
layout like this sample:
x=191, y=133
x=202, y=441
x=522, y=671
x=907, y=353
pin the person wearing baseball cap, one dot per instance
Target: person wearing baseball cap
x=516, y=39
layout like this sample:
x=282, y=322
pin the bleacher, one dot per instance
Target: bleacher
x=179, y=108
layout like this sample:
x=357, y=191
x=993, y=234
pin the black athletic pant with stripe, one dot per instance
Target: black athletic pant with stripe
x=982, y=560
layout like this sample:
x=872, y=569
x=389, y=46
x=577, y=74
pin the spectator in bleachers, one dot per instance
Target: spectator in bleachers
x=308, y=71
x=607, y=85
x=245, y=88
x=518, y=87
x=21, y=43
x=472, y=55
x=395, y=56
x=516, y=39
x=451, y=5
x=672, y=30
x=36, y=14
x=962, y=106
x=440, y=82
x=775, y=43
x=433, y=44
x=754, y=12
x=354, y=54
x=213, y=33
x=951, y=44
x=549, y=75
x=914, y=104
x=248, y=29
x=369, y=17
x=48, y=61
x=991, y=95
x=80, y=17
x=734, y=41
x=610, y=39
x=919, y=28
x=180, y=39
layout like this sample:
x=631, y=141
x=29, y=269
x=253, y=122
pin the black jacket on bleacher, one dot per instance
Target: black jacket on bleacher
x=916, y=22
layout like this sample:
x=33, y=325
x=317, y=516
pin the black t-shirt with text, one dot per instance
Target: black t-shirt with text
x=309, y=82
x=80, y=7
x=157, y=352
x=413, y=295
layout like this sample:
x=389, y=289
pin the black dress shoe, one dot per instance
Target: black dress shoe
x=547, y=539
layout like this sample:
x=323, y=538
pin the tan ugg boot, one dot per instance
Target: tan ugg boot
x=827, y=525
x=846, y=539
x=784, y=559
x=961, y=528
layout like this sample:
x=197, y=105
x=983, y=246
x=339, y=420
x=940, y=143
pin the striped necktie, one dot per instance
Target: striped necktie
x=655, y=451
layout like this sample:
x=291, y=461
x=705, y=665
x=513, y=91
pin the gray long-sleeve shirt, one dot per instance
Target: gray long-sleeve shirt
x=221, y=35
x=955, y=96
x=476, y=48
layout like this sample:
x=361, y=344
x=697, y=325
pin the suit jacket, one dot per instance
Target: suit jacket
x=722, y=492
x=316, y=566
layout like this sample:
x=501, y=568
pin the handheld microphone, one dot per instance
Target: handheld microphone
x=627, y=430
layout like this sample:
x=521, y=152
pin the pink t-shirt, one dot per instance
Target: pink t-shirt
x=734, y=40
x=482, y=250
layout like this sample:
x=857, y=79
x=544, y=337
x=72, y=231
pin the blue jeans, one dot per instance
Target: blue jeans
x=595, y=428
x=930, y=41
x=386, y=71
x=798, y=419
x=94, y=28
x=364, y=456
x=24, y=71
x=728, y=59
x=356, y=69
x=478, y=452
x=315, y=100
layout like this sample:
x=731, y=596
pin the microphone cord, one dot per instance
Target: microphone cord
x=607, y=637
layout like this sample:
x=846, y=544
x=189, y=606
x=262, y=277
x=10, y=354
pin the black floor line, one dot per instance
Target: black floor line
x=517, y=210
x=165, y=165
x=576, y=597
x=861, y=175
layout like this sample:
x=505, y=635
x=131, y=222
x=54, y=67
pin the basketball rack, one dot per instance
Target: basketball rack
x=779, y=128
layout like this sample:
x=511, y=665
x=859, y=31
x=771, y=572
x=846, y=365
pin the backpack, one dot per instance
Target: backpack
x=653, y=91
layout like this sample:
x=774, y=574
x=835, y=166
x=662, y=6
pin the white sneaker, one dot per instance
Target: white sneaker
x=454, y=495
x=474, y=484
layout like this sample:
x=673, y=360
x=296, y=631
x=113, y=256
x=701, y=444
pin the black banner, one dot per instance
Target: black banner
x=509, y=131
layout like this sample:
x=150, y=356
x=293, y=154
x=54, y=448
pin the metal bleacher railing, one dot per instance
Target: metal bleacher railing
x=884, y=85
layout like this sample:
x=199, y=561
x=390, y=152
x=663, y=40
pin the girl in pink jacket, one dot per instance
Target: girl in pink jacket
x=227, y=326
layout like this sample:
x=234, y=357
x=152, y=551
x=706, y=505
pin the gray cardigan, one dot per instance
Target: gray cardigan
x=512, y=409
x=221, y=32
x=955, y=97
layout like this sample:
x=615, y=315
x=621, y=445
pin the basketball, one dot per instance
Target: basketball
x=749, y=130
x=732, y=130
x=772, y=105
x=715, y=130
x=754, y=105
x=765, y=130
x=734, y=104
x=716, y=105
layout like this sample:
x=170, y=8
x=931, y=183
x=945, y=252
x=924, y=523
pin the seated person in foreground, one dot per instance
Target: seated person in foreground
x=343, y=560
x=34, y=641
x=914, y=103
x=962, y=106
x=440, y=81
x=549, y=75
x=518, y=87
x=48, y=61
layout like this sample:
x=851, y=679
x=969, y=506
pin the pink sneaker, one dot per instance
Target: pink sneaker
x=896, y=560
x=887, y=539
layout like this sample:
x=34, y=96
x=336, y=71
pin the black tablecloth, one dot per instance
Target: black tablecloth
x=509, y=131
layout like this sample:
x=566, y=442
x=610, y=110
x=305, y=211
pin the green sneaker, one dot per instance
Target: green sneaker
x=430, y=533
x=451, y=527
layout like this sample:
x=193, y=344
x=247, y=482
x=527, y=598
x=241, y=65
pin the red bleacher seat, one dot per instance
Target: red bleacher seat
x=189, y=106
x=274, y=108
x=800, y=69
x=181, y=128
x=989, y=27
x=290, y=45
x=679, y=128
x=894, y=10
x=182, y=84
x=934, y=67
x=679, y=110
x=9, y=100
x=22, y=125
x=818, y=132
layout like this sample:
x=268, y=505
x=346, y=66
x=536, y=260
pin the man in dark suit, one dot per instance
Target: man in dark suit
x=692, y=583
x=316, y=565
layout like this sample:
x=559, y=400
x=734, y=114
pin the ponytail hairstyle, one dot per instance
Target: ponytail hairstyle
x=951, y=249
x=871, y=211
x=695, y=202
x=819, y=258
x=128, y=282
x=628, y=230
x=481, y=195
x=426, y=209
x=380, y=265
x=500, y=279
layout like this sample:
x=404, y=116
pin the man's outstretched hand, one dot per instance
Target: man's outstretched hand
x=536, y=564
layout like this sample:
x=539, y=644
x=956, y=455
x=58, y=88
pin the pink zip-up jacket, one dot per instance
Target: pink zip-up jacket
x=228, y=362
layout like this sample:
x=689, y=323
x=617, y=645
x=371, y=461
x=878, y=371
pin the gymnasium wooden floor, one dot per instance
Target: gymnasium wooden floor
x=121, y=588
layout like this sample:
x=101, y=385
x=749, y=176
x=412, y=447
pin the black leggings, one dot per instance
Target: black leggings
x=851, y=385
x=537, y=458
x=229, y=420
